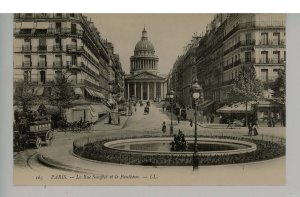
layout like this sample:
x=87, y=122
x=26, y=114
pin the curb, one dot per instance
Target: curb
x=43, y=160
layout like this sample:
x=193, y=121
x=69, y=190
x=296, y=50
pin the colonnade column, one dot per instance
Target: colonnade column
x=154, y=90
x=128, y=90
x=141, y=90
x=148, y=91
x=161, y=90
x=134, y=89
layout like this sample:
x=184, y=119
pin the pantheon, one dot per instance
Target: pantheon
x=144, y=81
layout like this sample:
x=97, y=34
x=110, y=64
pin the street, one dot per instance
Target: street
x=59, y=158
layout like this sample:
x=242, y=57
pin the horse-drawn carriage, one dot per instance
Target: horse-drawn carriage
x=33, y=133
x=146, y=110
x=141, y=103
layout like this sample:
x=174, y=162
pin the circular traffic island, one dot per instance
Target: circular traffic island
x=156, y=151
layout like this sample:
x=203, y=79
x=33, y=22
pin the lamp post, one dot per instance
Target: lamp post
x=197, y=92
x=171, y=94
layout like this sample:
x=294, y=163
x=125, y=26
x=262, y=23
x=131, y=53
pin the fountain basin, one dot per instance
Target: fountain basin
x=155, y=151
x=161, y=145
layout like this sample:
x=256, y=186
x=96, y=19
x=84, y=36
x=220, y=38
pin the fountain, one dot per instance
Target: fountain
x=158, y=151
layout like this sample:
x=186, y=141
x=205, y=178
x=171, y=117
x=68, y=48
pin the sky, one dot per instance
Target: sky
x=169, y=33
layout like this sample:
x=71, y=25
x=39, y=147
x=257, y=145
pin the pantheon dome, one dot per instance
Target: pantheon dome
x=144, y=58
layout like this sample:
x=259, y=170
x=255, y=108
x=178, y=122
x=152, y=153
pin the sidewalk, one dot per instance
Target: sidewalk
x=104, y=126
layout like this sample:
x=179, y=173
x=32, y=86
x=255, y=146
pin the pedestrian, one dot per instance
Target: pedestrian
x=255, y=128
x=212, y=118
x=135, y=109
x=229, y=123
x=178, y=119
x=118, y=119
x=273, y=122
x=109, y=118
x=220, y=119
x=250, y=128
x=164, y=127
x=191, y=122
x=207, y=119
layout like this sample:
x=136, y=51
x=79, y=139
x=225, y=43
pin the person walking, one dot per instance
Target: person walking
x=178, y=119
x=250, y=128
x=109, y=118
x=164, y=127
x=229, y=123
x=191, y=122
x=255, y=128
x=212, y=118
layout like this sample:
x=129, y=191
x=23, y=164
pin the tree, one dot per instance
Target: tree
x=279, y=92
x=25, y=98
x=279, y=87
x=62, y=94
x=246, y=87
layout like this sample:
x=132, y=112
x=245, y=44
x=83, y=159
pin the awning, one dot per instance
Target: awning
x=90, y=92
x=236, y=108
x=38, y=91
x=99, y=94
x=78, y=91
x=206, y=104
x=99, y=109
x=42, y=25
x=27, y=25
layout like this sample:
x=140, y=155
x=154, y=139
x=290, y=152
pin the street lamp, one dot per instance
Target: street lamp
x=171, y=94
x=197, y=92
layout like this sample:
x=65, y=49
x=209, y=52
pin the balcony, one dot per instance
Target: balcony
x=271, y=61
x=237, y=45
x=42, y=48
x=26, y=48
x=74, y=48
x=270, y=42
x=70, y=31
x=42, y=64
x=57, y=65
x=90, y=84
x=73, y=65
x=42, y=15
x=26, y=64
x=247, y=42
x=57, y=47
x=50, y=31
x=229, y=66
x=237, y=62
x=235, y=29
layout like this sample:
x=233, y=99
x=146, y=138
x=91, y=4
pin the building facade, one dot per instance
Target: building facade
x=144, y=81
x=116, y=75
x=47, y=46
x=232, y=41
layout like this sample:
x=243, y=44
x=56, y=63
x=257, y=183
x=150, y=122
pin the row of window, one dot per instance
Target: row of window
x=264, y=58
x=264, y=39
x=45, y=15
x=42, y=42
x=42, y=60
x=264, y=75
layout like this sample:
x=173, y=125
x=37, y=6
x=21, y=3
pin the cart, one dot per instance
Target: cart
x=35, y=133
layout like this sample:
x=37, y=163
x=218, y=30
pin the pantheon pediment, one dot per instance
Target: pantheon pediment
x=145, y=76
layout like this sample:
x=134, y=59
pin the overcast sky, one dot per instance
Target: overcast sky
x=169, y=33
